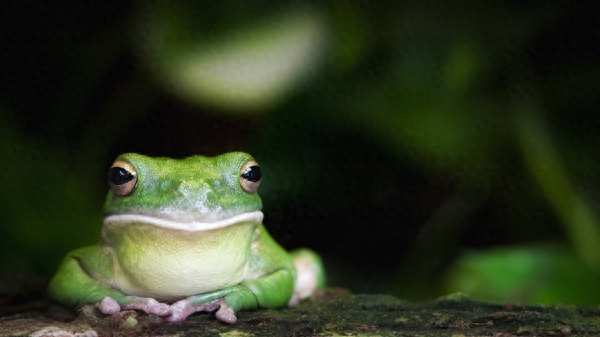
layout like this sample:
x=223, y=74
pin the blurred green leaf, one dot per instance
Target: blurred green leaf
x=256, y=65
x=526, y=274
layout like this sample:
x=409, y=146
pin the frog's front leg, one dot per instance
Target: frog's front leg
x=270, y=291
x=75, y=285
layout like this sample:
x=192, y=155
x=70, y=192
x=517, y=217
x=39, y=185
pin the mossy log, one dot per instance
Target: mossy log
x=333, y=312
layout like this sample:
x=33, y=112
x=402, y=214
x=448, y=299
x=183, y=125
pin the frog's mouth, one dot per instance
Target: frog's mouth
x=191, y=226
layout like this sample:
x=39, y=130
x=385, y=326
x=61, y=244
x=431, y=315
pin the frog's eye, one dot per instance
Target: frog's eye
x=122, y=178
x=250, y=176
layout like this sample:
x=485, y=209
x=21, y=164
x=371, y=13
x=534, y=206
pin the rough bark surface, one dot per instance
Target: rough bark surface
x=333, y=312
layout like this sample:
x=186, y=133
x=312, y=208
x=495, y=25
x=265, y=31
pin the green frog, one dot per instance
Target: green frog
x=182, y=236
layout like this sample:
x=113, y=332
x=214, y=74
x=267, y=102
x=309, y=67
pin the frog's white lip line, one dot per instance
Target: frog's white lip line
x=191, y=226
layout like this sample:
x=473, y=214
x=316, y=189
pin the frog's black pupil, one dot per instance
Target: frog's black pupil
x=252, y=173
x=119, y=176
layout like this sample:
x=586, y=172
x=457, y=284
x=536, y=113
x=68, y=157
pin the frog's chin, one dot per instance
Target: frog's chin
x=191, y=226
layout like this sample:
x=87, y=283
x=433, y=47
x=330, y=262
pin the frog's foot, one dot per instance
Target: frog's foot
x=182, y=309
x=109, y=306
x=307, y=279
x=226, y=314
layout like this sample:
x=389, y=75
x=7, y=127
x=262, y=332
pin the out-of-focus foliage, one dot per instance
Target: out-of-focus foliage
x=251, y=66
x=43, y=200
x=393, y=139
x=531, y=274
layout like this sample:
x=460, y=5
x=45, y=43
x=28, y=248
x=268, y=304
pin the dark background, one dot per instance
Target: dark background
x=421, y=148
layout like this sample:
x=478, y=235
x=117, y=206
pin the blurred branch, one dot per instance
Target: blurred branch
x=542, y=160
x=434, y=247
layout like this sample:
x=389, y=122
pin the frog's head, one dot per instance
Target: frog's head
x=192, y=194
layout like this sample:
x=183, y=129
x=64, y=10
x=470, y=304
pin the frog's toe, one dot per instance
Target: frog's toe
x=149, y=306
x=108, y=306
x=182, y=309
x=159, y=309
x=225, y=313
x=179, y=312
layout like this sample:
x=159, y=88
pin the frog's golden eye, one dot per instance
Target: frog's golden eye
x=250, y=176
x=122, y=178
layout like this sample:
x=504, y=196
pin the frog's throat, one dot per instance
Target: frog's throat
x=191, y=226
